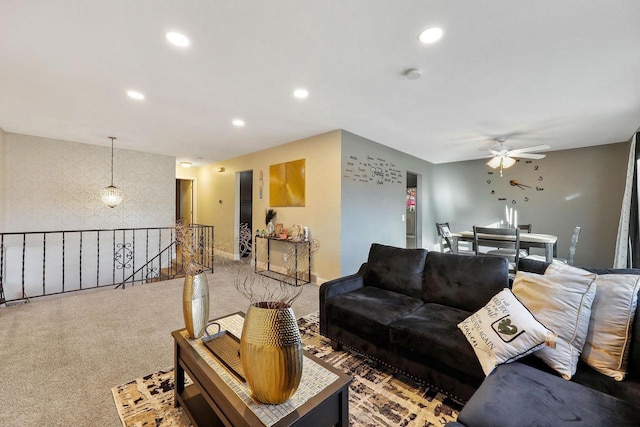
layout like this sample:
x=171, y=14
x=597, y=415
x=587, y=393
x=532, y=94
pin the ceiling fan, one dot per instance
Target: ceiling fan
x=504, y=157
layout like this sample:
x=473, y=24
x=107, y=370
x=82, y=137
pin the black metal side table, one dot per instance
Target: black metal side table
x=300, y=248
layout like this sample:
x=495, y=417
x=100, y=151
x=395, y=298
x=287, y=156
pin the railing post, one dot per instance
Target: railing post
x=81, y=260
x=44, y=261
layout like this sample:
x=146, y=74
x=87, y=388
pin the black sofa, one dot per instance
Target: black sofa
x=403, y=306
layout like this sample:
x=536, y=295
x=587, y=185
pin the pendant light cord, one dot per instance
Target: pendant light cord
x=112, y=138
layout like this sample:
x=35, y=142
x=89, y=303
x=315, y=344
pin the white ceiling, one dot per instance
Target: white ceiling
x=563, y=73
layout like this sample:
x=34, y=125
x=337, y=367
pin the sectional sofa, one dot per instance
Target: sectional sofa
x=404, y=306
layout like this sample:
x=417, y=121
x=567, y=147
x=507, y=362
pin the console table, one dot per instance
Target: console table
x=300, y=247
x=218, y=398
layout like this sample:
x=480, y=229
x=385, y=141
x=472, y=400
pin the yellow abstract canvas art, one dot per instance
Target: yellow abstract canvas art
x=287, y=183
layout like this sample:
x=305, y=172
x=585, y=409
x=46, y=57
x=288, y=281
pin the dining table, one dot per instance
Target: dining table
x=548, y=242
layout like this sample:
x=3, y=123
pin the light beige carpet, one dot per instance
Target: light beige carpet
x=377, y=396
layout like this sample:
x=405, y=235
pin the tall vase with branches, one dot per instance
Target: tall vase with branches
x=195, y=293
x=271, y=345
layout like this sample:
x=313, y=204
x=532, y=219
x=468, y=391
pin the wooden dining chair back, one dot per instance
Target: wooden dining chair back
x=507, y=240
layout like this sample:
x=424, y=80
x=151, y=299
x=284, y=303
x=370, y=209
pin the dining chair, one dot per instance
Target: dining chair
x=524, y=228
x=572, y=249
x=444, y=231
x=507, y=240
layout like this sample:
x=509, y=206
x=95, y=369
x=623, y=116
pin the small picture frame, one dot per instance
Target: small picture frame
x=279, y=229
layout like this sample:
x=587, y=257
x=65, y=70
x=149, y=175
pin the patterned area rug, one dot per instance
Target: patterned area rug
x=378, y=396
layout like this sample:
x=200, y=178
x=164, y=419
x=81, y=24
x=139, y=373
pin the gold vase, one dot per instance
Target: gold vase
x=195, y=304
x=271, y=353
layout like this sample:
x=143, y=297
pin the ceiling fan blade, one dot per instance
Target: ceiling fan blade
x=530, y=149
x=528, y=156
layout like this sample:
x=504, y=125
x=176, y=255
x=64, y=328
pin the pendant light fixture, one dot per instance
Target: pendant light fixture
x=111, y=195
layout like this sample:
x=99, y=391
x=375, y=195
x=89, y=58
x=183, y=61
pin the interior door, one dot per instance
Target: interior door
x=246, y=212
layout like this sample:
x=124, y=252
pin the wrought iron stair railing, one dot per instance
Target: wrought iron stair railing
x=35, y=264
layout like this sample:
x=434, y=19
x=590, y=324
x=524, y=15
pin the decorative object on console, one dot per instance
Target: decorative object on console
x=111, y=195
x=271, y=352
x=503, y=331
x=296, y=231
x=270, y=215
x=195, y=293
x=562, y=302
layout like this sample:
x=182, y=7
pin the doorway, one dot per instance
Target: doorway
x=245, y=214
x=184, y=201
x=412, y=215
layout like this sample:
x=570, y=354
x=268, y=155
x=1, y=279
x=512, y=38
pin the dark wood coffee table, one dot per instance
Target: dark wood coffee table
x=217, y=398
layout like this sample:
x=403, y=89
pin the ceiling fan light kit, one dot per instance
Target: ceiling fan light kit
x=504, y=157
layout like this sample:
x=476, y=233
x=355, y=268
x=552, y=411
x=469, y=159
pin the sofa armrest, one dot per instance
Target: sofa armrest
x=336, y=287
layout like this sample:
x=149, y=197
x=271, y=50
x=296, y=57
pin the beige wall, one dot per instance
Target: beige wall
x=218, y=206
x=2, y=191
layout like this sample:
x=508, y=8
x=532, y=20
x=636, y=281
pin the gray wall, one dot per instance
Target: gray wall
x=373, y=211
x=581, y=187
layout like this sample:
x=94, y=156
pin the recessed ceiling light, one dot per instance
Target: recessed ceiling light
x=134, y=94
x=430, y=35
x=177, y=39
x=301, y=93
x=238, y=122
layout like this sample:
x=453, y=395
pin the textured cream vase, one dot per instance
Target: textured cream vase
x=195, y=304
x=271, y=353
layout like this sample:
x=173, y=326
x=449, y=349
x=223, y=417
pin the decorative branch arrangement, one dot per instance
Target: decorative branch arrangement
x=191, y=249
x=269, y=216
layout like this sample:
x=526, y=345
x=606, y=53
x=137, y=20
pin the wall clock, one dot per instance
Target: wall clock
x=518, y=186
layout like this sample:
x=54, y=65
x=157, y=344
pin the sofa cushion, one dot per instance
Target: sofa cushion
x=589, y=377
x=431, y=332
x=462, y=281
x=367, y=312
x=503, y=331
x=519, y=395
x=395, y=269
x=562, y=302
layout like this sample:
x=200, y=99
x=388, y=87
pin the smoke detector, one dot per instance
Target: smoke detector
x=413, y=74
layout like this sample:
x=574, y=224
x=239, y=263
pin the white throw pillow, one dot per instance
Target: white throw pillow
x=608, y=340
x=557, y=267
x=562, y=302
x=503, y=331
x=607, y=345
